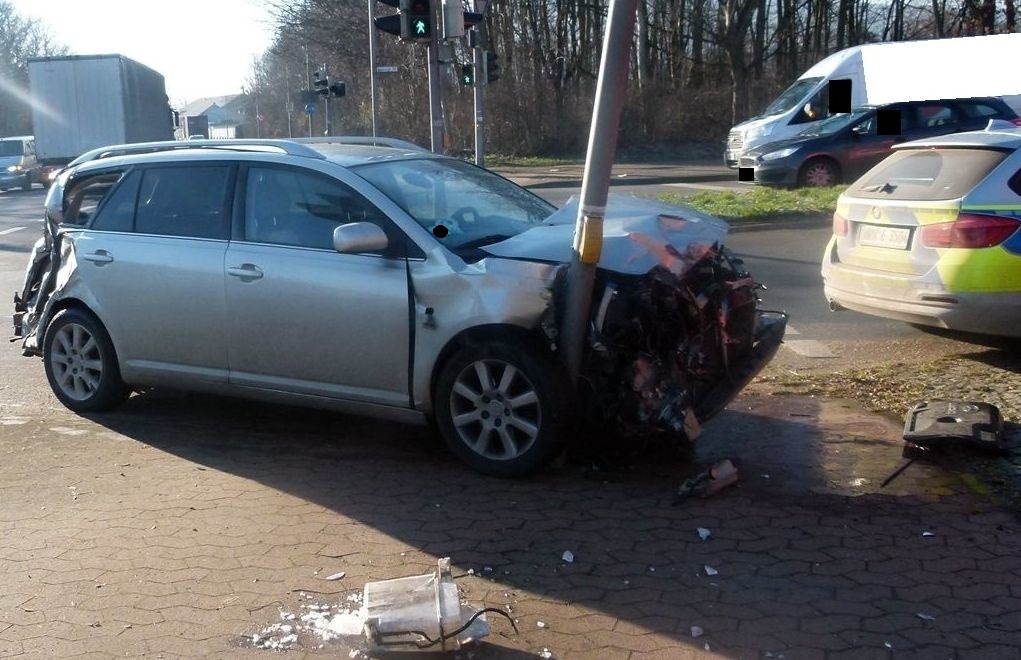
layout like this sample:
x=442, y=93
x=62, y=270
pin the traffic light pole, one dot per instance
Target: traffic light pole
x=602, y=145
x=373, y=44
x=435, y=102
x=479, y=61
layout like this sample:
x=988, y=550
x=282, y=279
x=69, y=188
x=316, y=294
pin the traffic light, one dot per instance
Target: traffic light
x=467, y=75
x=416, y=20
x=338, y=89
x=492, y=68
x=321, y=84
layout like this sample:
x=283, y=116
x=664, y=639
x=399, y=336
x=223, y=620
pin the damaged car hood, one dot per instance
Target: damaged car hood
x=638, y=235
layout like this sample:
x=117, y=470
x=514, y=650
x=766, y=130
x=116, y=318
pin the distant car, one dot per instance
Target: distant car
x=19, y=167
x=386, y=281
x=931, y=235
x=845, y=146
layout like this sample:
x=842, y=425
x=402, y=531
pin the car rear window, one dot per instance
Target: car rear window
x=927, y=174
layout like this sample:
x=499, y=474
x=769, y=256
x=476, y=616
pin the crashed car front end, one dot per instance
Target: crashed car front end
x=675, y=329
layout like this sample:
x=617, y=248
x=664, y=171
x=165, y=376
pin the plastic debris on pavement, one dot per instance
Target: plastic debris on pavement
x=704, y=533
x=716, y=478
x=926, y=534
x=545, y=654
x=540, y=624
x=696, y=631
x=336, y=576
x=710, y=571
x=568, y=556
x=925, y=617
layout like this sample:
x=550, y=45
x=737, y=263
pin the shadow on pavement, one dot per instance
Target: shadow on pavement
x=796, y=556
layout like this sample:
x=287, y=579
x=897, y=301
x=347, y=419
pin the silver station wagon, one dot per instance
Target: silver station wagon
x=382, y=281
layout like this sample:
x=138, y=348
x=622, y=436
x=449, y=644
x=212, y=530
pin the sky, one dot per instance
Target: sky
x=202, y=47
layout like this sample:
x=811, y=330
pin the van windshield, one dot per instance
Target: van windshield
x=792, y=97
x=11, y=148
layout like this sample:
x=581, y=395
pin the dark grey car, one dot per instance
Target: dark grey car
x=381, y=281
x=845, y=146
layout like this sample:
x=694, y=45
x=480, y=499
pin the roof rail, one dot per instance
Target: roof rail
x=282, y=146
x=378, y=141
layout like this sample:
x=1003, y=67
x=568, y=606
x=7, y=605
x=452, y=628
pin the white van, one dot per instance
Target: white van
x=19, y=167
x=887, y=73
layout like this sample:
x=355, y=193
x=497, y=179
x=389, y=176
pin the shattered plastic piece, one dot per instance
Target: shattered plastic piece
x=696, y=631
x=546, y=654
x=421, y=612
x=888, y=645
x=925, y=617
x=706, y=646
x=540, y=624
x=704, y=533
x=924, y=534
x=336, y=576
x=721, y=475
x=710, y=571
x=568, y=556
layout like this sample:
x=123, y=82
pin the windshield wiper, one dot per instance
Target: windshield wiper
x=483, y=240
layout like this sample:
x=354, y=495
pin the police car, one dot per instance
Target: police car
x=930, y=235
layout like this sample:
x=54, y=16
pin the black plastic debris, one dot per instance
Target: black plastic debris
x=935, y=424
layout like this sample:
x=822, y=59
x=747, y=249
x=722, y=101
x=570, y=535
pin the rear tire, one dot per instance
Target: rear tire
x=501, y=409
x=819, y=172
x=81, y=364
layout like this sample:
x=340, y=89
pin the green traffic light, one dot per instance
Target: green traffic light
x=420, y=27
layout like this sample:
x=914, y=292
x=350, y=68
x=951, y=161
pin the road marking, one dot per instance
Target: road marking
x=809, y=348
x=11, y=230
x=790, y=330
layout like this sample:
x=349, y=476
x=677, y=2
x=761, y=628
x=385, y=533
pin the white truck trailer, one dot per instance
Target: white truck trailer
x=80, y=102
x=887, y=73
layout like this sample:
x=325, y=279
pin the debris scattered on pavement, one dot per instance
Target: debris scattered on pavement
x=545, y=654
x=696, y=631
x=568, y=556
x=540, y=624
x=925, y=617
x=336, y=576
x=924, y=534
x=710, y=571
x=888, y=645
x=704, y=533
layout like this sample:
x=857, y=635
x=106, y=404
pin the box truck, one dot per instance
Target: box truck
x=80, y=102
x=887, y=73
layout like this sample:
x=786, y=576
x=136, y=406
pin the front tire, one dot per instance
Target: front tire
x=501, y=409
x=819, y=172
x=81, y=365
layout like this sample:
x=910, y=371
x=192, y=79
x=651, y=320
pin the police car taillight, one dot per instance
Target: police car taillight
x=970, y=230
x=839, y=225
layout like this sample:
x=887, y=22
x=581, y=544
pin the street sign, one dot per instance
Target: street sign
x=386, y=69
x=310, y=108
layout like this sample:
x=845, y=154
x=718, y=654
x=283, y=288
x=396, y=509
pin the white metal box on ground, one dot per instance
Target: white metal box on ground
x=80, y=102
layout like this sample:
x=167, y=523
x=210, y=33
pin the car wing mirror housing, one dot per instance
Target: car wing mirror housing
x=860, y=129
x=359, y=237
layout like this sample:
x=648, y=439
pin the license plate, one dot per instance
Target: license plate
x=886, y=237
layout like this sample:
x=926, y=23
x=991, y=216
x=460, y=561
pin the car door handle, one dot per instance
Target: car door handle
x=245, y=271
x=99, y=257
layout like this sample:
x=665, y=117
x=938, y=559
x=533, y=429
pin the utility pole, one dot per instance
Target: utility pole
x=478, y=64
x=435, y=102
x=308, y=85
x=372, y=61
x=602, y=145
x=328, y=119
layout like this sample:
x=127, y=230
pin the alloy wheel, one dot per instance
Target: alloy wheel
x=76, y=362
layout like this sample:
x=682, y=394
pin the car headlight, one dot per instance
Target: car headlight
x=14, y=168
x=782, y=153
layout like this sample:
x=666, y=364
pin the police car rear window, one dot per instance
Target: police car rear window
x=927, y=174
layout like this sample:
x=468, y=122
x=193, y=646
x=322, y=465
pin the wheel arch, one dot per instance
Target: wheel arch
x=78, y=304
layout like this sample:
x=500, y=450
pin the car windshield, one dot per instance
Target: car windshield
x=835, y=123
x=11, y=148
x=792, y=97
x=464, y=205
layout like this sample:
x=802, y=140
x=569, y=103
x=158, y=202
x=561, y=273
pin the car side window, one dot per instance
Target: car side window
x=84, y=197
x=974, y=110
x=184, y=201
x=933, y=116
x=301, y=208
x=118, y=212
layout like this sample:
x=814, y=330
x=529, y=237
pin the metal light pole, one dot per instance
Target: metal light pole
x=435, y=102
x=372, y=61
x=478, y=64
x=602, y=145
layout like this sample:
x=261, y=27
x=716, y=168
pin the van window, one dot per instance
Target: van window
x=184, y=201
x=11, y=148
x=927, y=174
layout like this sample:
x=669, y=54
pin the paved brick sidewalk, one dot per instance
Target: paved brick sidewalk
x=181, y=526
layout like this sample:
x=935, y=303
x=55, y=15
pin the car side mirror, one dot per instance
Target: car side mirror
x=860, y=129
x=359, y=237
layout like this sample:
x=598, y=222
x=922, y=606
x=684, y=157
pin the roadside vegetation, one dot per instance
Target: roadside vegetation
x=760, y=203
x=502, y=160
